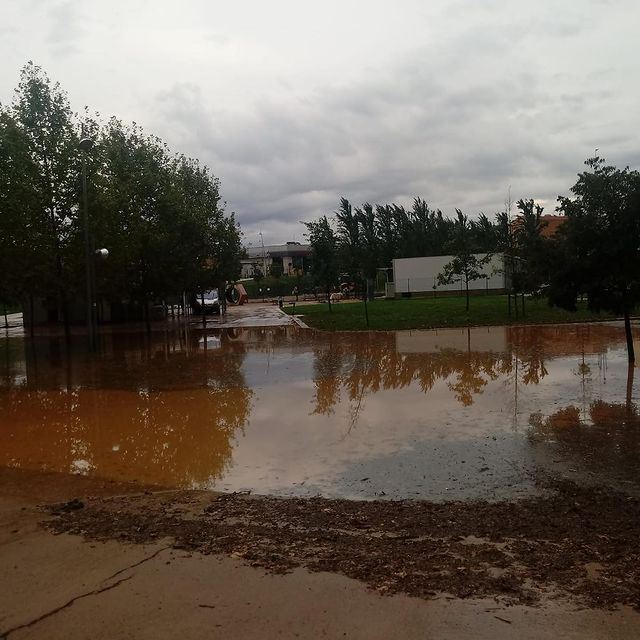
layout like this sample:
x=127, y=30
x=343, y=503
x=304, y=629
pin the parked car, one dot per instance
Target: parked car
x=211, y=302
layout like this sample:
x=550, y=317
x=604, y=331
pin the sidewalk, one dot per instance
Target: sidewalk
x=253, y=314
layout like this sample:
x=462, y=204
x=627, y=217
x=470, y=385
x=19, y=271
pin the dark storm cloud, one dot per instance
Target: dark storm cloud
x=449, y=100
x=400, y=136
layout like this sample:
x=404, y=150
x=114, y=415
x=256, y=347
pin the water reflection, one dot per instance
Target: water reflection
x=602, y=437
x=468, y=359
x=162, y=409
x=419, y=413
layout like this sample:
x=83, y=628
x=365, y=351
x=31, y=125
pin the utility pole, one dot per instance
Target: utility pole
x=264, y=257
x=85, y=145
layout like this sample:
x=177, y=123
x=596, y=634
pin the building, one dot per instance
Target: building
x=292, y=258
x=420, y=275
x=549, y=224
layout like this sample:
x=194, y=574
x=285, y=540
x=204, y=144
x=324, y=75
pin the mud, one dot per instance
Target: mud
x=574, y=542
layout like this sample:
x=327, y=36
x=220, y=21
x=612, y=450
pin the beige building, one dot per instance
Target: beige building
x=292, y=257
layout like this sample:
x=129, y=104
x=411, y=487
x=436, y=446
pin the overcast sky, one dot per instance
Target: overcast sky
x=294, y=104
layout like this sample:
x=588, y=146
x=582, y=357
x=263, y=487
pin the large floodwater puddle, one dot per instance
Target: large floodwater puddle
x=453, y=413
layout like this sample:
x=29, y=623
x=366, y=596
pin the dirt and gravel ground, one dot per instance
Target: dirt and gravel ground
x=130, y=563
x=580, y=543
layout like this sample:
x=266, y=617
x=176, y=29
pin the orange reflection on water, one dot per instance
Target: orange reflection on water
x=168, y=438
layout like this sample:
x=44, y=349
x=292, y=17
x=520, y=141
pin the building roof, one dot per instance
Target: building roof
x=279, y=250
x=550, y=224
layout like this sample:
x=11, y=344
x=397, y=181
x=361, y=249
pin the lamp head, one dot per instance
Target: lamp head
x=85, y=144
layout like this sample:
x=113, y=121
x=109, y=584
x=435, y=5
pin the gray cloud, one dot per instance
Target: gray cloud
x=450, y=101
x=65, y=28
x=390, y=139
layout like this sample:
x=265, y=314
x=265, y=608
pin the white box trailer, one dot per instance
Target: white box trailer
x=420, y=275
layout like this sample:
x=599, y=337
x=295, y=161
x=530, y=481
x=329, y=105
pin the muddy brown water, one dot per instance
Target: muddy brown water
x=448, y=414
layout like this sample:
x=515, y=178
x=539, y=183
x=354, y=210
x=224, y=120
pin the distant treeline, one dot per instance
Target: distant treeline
x=359, y=241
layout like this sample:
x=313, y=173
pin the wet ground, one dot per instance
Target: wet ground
x=575, y=543
x=123, y=579
x=480, y=413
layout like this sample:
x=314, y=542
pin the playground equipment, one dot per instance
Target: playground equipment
x=236, y=294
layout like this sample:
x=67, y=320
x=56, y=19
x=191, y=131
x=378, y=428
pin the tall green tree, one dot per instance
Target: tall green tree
x=349, y=243
x=531, y=246
x=369, y=246
x=22, y=221
x=597, y=250
x=325, y=258
x=42, y=112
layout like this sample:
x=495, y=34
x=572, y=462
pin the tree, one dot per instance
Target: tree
x=159, y=214
x=486, y=234
x=42, y=113
x=369, y=246
x=386, y=234
x=324, y=244
x=530, y=247
x=22, y=223
x=597, y=250
x=348, y=236
x=465, y=266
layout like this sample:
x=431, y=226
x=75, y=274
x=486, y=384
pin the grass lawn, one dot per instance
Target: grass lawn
x=429, y=313
x=10, y=308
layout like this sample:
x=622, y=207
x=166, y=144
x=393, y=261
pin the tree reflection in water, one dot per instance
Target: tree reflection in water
x=606, y=439
x=162, y=410
x=363, y=364
x=360, y=364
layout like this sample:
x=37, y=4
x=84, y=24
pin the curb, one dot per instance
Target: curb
x=295, y=319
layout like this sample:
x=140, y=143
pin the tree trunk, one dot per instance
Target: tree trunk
x=63, y=298
x=147, y=322
x=31, y=318
x=6, y=320
x=627, y=331
x=370, y=289
x=630, y=372
x=222, y=298
x=329, y=298
x=467, y=294
x=522, y=304
x=65, y=313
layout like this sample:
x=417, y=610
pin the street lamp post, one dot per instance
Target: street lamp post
x=85, y=145
x=264, y=256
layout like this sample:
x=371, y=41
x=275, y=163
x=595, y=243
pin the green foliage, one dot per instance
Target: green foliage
x=324, y=244
x=348, y=236
x=465, y=267
x=159, y=214
x=282, y=286
x=530, y=248
x=597, y=252
x=369, y=237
